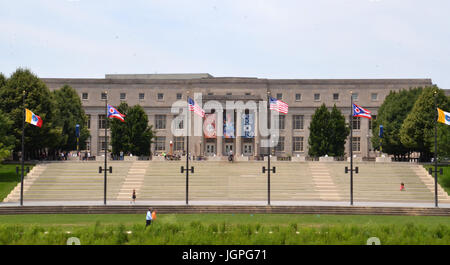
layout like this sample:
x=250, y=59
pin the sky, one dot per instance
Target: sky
x=243, y=38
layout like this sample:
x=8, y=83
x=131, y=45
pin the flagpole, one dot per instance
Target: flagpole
x=351, y=148
x=23, y=148
x=435, y=151
x=106, y=147
x=270, y=148
x=187, y=149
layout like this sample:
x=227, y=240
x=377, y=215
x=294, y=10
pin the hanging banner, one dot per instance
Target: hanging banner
x=248, y=125
x=209, y=126
x=228, y=125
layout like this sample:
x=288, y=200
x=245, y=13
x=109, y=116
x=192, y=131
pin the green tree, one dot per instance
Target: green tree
x=6, y=140
x=68, y=113
x=338, y=133
x=319, y=131
x=391, y=115
x=134, y=135
x=417, y=131
x=38, y=100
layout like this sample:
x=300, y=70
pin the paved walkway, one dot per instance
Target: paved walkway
x=227, y=203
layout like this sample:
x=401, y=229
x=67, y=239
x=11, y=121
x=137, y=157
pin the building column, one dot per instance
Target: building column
x=219, y=132
x=238, y=132
x=288, y=135
x=94, y=134
x=256, y=130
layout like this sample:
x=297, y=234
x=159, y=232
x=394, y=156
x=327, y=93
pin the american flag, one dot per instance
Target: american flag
x=278, y=105
x=195, y=108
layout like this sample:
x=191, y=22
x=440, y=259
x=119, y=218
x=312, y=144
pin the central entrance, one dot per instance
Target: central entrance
x=210, y=149
x=228, y=148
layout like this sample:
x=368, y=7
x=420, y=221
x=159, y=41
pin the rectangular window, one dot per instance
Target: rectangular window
x=103, y=143
x=355, y=96
x=335, y=96
x=229, y=94
x=298, y=97
x=178, y=143
x=141, y=96
x=281, y=122
x=160, y=96
x=123, y=96
x=279, y=96
x=280, y=145
x=160, y=121
x=248, y=94
x=297, y=143
x=374, y=96
x=103, y=96
x=84, y=96
x=356, y=144
x=297, y=122
x=101, y=121
x=160, y=143
x=210, y=93
x=356, y=125
x=316, y=97
x=179, y=95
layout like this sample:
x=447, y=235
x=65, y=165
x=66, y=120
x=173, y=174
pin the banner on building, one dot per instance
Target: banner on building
x=228, y=125
x=209, y=126
x=248, y=125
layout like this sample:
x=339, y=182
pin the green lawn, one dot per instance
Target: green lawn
x=9, y=179
x=226, y=229
x=207, y=219
x=444, y=179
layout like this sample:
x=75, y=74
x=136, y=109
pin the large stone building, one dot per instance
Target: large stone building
x=157, y=92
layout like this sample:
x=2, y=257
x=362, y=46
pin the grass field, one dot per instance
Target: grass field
x=224, y=229
x=9, y=179
x=444, y=179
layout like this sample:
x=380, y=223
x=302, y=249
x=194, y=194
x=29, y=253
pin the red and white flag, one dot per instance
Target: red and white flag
x=278, y=105
x=195, y=108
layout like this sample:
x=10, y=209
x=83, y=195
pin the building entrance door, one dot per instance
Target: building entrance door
x=210, y=149
x=248, y=149
x=228, y=148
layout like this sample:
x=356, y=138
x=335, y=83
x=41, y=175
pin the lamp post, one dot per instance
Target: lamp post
x=351, y=151
x=269, y=151
x=23, y=148
x=105, y=169
x=435, y=171
x=187, y=169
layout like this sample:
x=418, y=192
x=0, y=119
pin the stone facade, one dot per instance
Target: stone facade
x=157, y=93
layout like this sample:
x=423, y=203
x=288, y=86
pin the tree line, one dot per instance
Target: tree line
x=408, y=119
x=60, y=111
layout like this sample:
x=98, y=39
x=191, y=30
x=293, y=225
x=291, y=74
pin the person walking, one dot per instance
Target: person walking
x=154, y=215
x=133, y=197
x=148, y=218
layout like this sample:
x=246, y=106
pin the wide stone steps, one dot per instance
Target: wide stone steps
x=192, y=209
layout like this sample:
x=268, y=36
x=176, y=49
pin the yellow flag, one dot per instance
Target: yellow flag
x=443, y=117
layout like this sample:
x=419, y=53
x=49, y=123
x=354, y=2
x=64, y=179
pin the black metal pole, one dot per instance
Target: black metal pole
x=187, y=152
x=270, y=143
x=106, y=147
x=435, y=152
x=23, y=149
x=351, y=148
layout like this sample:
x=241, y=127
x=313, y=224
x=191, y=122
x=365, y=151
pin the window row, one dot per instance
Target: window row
x=298, y=96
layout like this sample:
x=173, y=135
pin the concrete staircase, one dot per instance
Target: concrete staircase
x=323, y=182
x=28, y=181
x=133, y=181
x=224, y=181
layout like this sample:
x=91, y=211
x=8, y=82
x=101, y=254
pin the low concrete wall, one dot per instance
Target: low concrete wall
x=298, y=159
x=386, y=159
x=355, y=159
x=326, y=159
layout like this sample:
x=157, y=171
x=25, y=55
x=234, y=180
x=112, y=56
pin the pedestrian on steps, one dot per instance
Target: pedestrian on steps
x=133, y=197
